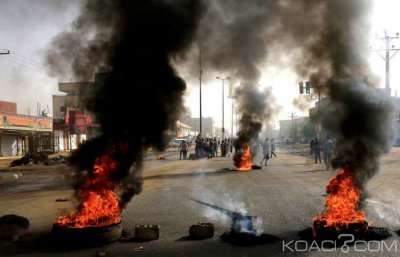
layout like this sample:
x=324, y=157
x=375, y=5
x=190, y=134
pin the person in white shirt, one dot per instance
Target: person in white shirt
x=327, y=149
x=266, y=151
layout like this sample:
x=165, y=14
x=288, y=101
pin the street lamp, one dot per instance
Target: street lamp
x=232, y=97
x=223, y=127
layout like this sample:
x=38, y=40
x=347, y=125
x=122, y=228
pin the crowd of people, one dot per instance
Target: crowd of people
x=207, y=147
x=213, y=147
x=210, y=147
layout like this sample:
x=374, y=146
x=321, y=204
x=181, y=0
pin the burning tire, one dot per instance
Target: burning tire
x=322, y=232
x=87, y=235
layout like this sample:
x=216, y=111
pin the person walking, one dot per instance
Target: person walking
x=273, y=148
x=327, y=150
x=266, y=151
x=317, y=150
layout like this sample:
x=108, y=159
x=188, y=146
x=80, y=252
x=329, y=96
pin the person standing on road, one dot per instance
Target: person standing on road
x=183, y=150
x=312, y=147
x=317, y=150
x=273, y=148
x=266, y=151
x=327, y=150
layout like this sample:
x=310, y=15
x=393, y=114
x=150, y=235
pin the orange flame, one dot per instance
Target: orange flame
x=99, y=202
x=243, y=161
x=342, y=201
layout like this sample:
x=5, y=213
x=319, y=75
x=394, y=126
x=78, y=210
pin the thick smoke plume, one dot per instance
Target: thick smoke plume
x=239, y=48
x=131, y=43
x=326, y=43
x=356, y=114
x=255, y=109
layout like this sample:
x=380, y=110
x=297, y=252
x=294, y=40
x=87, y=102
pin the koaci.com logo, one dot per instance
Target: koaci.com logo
x=331, y=246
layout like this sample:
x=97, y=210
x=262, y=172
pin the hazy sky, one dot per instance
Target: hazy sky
x=27, y=26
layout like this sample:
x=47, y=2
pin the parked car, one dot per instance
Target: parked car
x=176, y=142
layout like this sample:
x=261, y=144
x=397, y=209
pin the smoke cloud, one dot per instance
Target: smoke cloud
x=327, y=44
x=233, y=35
x=325, y=41
x=356, y=114
x=131, y=43
x=256, y=107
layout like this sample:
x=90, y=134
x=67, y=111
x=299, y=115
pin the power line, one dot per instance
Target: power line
x=387, y=57
x=29, y=60
x=20, y=59
x=25, y=65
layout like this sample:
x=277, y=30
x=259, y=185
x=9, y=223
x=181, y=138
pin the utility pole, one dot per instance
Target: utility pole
x=2, y=52
x=200, y=73
x=292, y=115
x=387, y=57
x=223, y=125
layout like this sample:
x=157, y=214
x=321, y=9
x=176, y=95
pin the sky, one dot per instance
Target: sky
x=28, y=26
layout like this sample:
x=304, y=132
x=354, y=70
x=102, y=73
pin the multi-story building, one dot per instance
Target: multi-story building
x=293, y=130
x=206, y=125
x=21, y=134
x=73, y=123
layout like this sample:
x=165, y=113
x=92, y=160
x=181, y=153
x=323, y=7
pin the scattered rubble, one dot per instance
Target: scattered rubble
x=38, y=158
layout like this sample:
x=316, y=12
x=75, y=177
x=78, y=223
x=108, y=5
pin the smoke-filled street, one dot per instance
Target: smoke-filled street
x=286, y=195
x=199, y=127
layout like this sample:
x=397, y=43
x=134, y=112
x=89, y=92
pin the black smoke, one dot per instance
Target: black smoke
x=233, y=36
x=255, y=109
x=138, y=94
x=356, y=113
x=325, y=42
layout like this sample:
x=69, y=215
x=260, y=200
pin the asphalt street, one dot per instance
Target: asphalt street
x=286, y=195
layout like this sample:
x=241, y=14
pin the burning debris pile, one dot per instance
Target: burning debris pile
x=342, y=215
x=99, y=201
x=243, y=159
x=161, y=157
x=99, y=215
x=132, y=49
x=254, y=112
x=355, y=113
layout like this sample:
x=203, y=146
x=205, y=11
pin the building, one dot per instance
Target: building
x=73, y=123
x=207, y=125
x=293, y=130
x=21, y=134
x=184, y=130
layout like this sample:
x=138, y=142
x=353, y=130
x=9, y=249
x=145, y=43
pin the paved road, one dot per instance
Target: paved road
x=286, y=195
